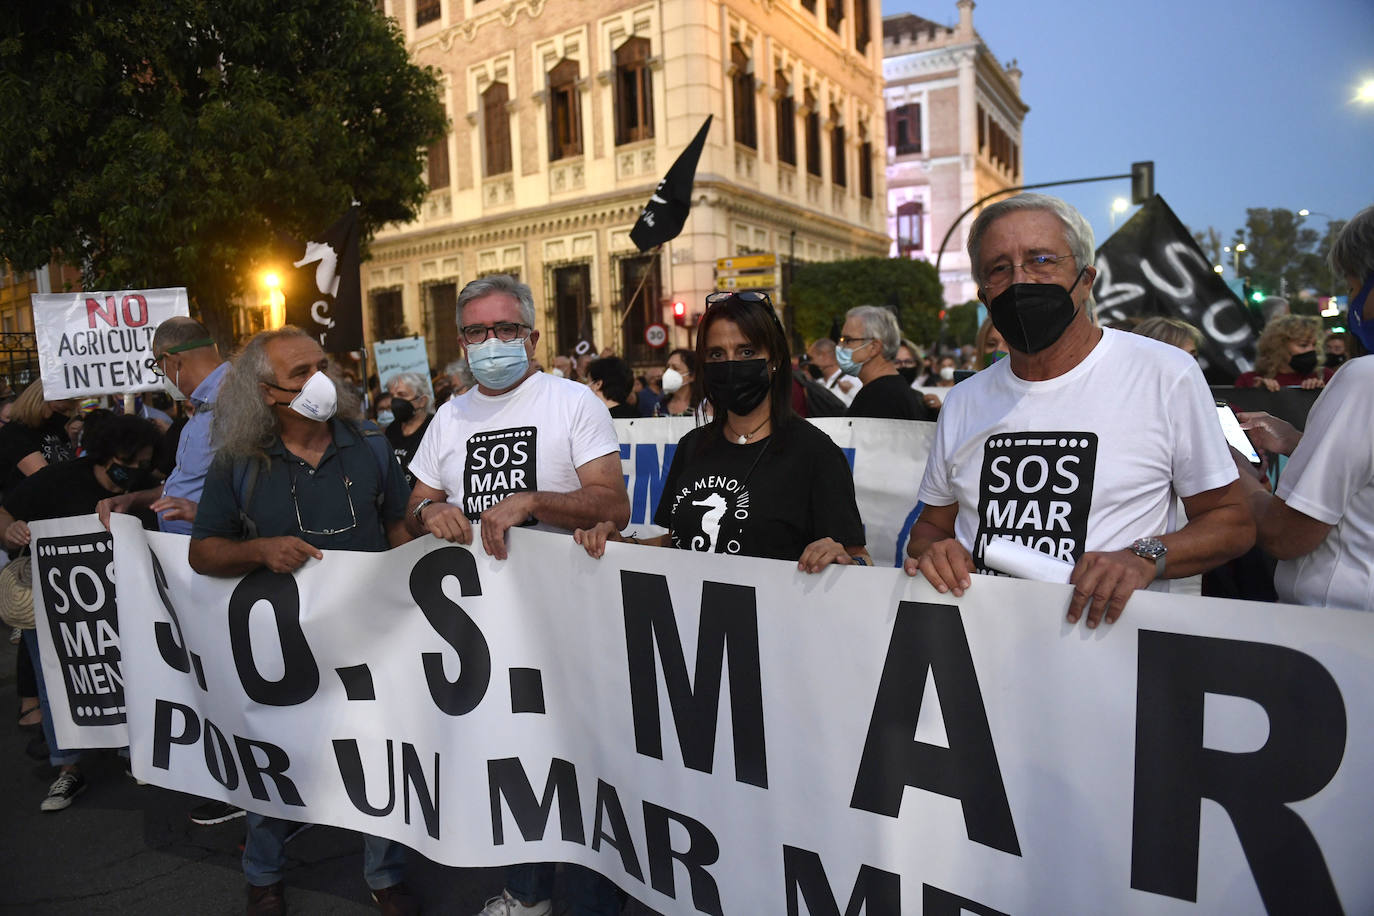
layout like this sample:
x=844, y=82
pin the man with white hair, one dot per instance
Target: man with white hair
x=1080, y=442
x=867, y=346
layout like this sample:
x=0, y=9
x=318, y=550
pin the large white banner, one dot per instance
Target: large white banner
x=97, y=342
x=888, y=458
x=726, y=735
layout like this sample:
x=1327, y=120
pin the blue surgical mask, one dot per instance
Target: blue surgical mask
x=384, y=418
x=498, y=364
x=845, y=357
x=1360, y=326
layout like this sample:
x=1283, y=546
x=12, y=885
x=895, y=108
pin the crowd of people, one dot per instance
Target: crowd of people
x=273, y=457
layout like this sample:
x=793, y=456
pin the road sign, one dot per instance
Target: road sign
x=748, y=281
x=656, y=335
x=747, y=262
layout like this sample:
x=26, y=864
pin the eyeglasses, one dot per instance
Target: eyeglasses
x=845, y=341
x=154, y=363
x=503, y=330
x=722, y=296
x=1039, y=267
x=348, y=494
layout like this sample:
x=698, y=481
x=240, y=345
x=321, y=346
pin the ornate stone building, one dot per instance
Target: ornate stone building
x=954, y=118
x=565, y=115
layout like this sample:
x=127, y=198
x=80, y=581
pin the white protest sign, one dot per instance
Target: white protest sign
x=98, y=342
x=888, y=458
x=721, y=734
x=78, y=631
x=407, y=354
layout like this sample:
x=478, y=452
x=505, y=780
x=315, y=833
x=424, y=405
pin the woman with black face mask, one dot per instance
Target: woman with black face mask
x=1286, y=355
x=756, y=480
x=119, y=459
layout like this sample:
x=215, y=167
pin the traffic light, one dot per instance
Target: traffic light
x=680, y=313
x=1142, y=181
x=1257, y=296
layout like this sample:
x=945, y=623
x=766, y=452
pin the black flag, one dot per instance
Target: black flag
x=1153, y=266
x=664, y=215
x=324, y=291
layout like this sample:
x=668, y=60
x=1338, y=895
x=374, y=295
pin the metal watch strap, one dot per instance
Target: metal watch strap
x=420, y=508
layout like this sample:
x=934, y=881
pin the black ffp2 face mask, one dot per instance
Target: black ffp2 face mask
x=737, y=385
x=402, y=409
x=1033, y=316
x=1304, y=363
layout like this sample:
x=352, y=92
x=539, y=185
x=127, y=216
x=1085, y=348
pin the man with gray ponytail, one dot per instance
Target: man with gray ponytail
x=296, y=472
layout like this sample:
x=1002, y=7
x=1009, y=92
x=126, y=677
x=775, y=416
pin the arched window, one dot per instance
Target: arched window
x=565, y=111
x=742, y=84
x=910, y=228
x=496, y=129
x=837, y=157
x=634, y=96
x=786, y=115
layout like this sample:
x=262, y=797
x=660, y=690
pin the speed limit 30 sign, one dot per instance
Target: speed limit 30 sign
x=656, y=335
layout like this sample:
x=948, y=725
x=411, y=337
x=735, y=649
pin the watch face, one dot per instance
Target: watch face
x=1150, y=548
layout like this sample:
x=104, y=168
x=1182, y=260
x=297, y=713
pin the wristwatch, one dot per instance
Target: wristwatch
x=1151, y=549
x=420, y=508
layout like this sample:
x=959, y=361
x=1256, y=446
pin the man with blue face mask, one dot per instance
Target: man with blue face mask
x=522, y=448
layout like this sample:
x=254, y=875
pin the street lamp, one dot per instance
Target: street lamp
x=1120, y=205
x=1236, y=252
x=276, y=299
x=1218, y=269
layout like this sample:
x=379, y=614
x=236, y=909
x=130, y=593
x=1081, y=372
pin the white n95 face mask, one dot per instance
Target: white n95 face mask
x=317, y=399
x=170, y=389
x=672, y=380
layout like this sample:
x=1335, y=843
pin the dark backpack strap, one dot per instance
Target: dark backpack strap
x=380, y=446
x=245, y=482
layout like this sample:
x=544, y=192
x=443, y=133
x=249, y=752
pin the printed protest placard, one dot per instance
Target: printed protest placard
x=407, y=354
x=78, y=631
x=99, y=342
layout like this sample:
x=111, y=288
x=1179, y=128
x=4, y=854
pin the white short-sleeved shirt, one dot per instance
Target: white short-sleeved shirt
x=1331, y=478
x=480, y=449
x=1088, y=461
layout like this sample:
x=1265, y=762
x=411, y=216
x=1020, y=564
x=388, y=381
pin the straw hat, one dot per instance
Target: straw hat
x=16, y=593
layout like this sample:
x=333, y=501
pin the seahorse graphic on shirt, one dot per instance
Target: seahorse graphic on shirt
x=710, y=522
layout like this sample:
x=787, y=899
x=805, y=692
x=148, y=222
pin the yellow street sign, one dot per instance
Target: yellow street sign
x=747, y=262
x=748, y=281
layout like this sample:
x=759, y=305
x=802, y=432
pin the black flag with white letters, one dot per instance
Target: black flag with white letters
x=1153, y=266
x=666, y=212
x=323, y=288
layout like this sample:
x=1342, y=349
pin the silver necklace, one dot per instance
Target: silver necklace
x=743, y=438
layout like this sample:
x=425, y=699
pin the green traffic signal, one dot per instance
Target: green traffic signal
x=1257, y=296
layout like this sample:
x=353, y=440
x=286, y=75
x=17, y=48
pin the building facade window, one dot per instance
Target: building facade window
x=634, y=94
x=910, y=221
x=438, y=164
x=786, y=116
x=496, y=129
x=742, y=85
x=863, y=29
x=426, y=11
x=809, y=4
x=565, y=111
x=640, y=294
x=813, y=135
x=388, y=315
x=866, y=167
x=442, y=325
x=904, y=128
x=834, y=14
x=982, y=130
x=837, y=157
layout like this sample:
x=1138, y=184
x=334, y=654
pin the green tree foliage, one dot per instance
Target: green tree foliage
x=961, y=323
x=822, y=292
x=1283, y=255
x=167, y=142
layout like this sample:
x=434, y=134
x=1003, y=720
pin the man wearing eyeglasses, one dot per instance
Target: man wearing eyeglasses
x=522, y=448
x=1080, y=442
x=320, y=480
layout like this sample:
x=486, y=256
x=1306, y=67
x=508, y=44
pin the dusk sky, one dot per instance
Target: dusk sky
x=1239, y=104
